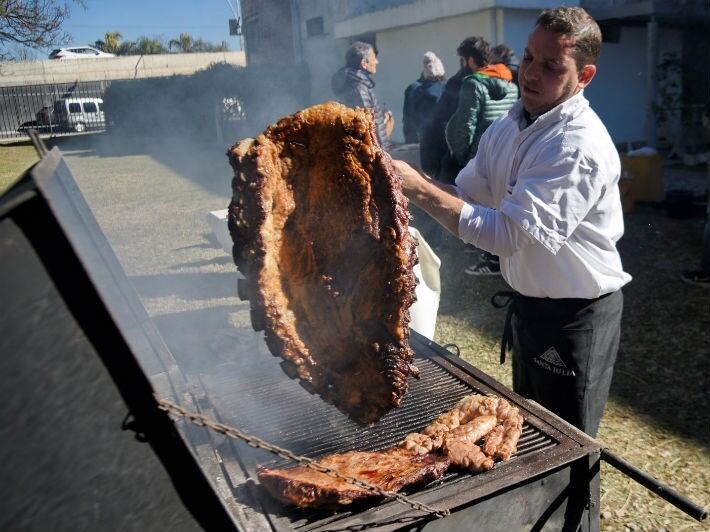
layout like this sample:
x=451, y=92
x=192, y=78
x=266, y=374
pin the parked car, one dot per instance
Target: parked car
x=45, y=116
x=79, y=114
x=44, y=120
x=78, y=52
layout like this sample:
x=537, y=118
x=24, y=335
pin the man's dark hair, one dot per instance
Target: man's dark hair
x=356, y=53
x=475, y=47
x=576, y=23
x=501, y=54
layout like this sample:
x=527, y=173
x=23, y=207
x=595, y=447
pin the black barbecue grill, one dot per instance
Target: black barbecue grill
x=552, y=482
x=257, y=398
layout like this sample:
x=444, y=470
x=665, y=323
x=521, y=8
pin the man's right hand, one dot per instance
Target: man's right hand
x=439, y=200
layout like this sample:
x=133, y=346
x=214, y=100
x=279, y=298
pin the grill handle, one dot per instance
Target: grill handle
x=647, y=481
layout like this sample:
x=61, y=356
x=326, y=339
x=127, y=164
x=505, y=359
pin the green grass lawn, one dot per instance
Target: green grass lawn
x=14, y=159
x=152, y=208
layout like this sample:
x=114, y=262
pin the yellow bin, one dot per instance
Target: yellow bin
x=647, y=172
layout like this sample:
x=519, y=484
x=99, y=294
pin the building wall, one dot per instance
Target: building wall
x=618, y=91
x=617, y=94
x=401, y=49
x=322, y=53
x=517, y=25
x=379, y=16
x=268, y=32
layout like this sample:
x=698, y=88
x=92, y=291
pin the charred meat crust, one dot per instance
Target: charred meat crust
x=390, y=470
x=320, y=231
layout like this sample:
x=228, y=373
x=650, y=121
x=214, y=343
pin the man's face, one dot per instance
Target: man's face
x=548, y=73
x=370, y=62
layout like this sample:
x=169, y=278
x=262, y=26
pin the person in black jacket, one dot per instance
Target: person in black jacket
x=421, y=96
x=353, y=84
x=433, y=150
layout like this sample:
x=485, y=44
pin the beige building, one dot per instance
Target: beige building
x=403, y=33
x=637, y=70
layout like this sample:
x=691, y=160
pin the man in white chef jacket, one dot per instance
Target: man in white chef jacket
x=542, y=194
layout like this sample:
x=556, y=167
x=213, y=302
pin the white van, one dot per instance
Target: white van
x=80, y=114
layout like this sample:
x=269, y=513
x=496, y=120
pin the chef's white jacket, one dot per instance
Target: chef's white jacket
x=545, y=198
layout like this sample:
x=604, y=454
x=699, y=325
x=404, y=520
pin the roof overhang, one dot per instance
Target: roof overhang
x=422, y=11
x=635, y=10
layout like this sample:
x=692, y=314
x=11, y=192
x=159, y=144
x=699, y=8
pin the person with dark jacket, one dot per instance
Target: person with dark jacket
x=421, y=96
x=485, y=95
x=353, y=84
x=433, y=152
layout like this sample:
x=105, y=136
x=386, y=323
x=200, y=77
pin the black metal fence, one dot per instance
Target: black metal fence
x=52, y=109
x=222, y=101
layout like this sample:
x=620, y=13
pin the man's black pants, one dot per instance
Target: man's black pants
x=564, y=352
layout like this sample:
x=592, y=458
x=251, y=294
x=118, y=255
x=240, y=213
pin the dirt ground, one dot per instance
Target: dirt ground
x=153, y=207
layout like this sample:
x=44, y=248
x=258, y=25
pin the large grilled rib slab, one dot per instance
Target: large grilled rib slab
x=319, y=224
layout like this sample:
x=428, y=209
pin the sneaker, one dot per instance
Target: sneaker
x=696, y=277
x=484, y=267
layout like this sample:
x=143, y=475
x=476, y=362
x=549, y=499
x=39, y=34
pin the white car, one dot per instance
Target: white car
x=78, y=52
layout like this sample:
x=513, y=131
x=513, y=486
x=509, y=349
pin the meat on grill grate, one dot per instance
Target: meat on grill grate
x=389, y=470
x=416, y=461
x=319, y=225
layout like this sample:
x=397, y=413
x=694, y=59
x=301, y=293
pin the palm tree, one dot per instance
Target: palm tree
x=146, y=46
x=111, y=42
x=185, y=43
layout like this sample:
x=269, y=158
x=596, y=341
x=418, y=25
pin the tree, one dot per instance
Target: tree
x=146, y=46
x=126, y=48
x=202, y=46
x=32, y=23
x=111, y=42
x=184, y=43
x=142, y=46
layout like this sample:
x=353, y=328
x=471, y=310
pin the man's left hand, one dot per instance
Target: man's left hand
x=410, y=177
x=439, y=200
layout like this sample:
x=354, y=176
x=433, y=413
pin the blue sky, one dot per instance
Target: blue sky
x=207, y=19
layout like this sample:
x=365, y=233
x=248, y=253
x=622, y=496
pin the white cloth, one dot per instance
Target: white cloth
x=424, y=310
x=557, y=180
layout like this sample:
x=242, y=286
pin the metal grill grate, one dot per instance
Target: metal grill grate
x=254, y=395
x=267, y=405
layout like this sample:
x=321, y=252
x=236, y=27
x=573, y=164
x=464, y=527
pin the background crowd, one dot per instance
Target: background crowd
x=445, y=117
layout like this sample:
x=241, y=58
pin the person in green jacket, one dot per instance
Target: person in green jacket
x=487, y=93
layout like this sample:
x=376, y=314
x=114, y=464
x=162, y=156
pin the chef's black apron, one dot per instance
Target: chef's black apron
x=564, y=352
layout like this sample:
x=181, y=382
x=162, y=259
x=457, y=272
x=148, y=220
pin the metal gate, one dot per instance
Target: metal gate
x=52, y=109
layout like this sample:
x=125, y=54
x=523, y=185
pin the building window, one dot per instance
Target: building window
x=314, y=26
